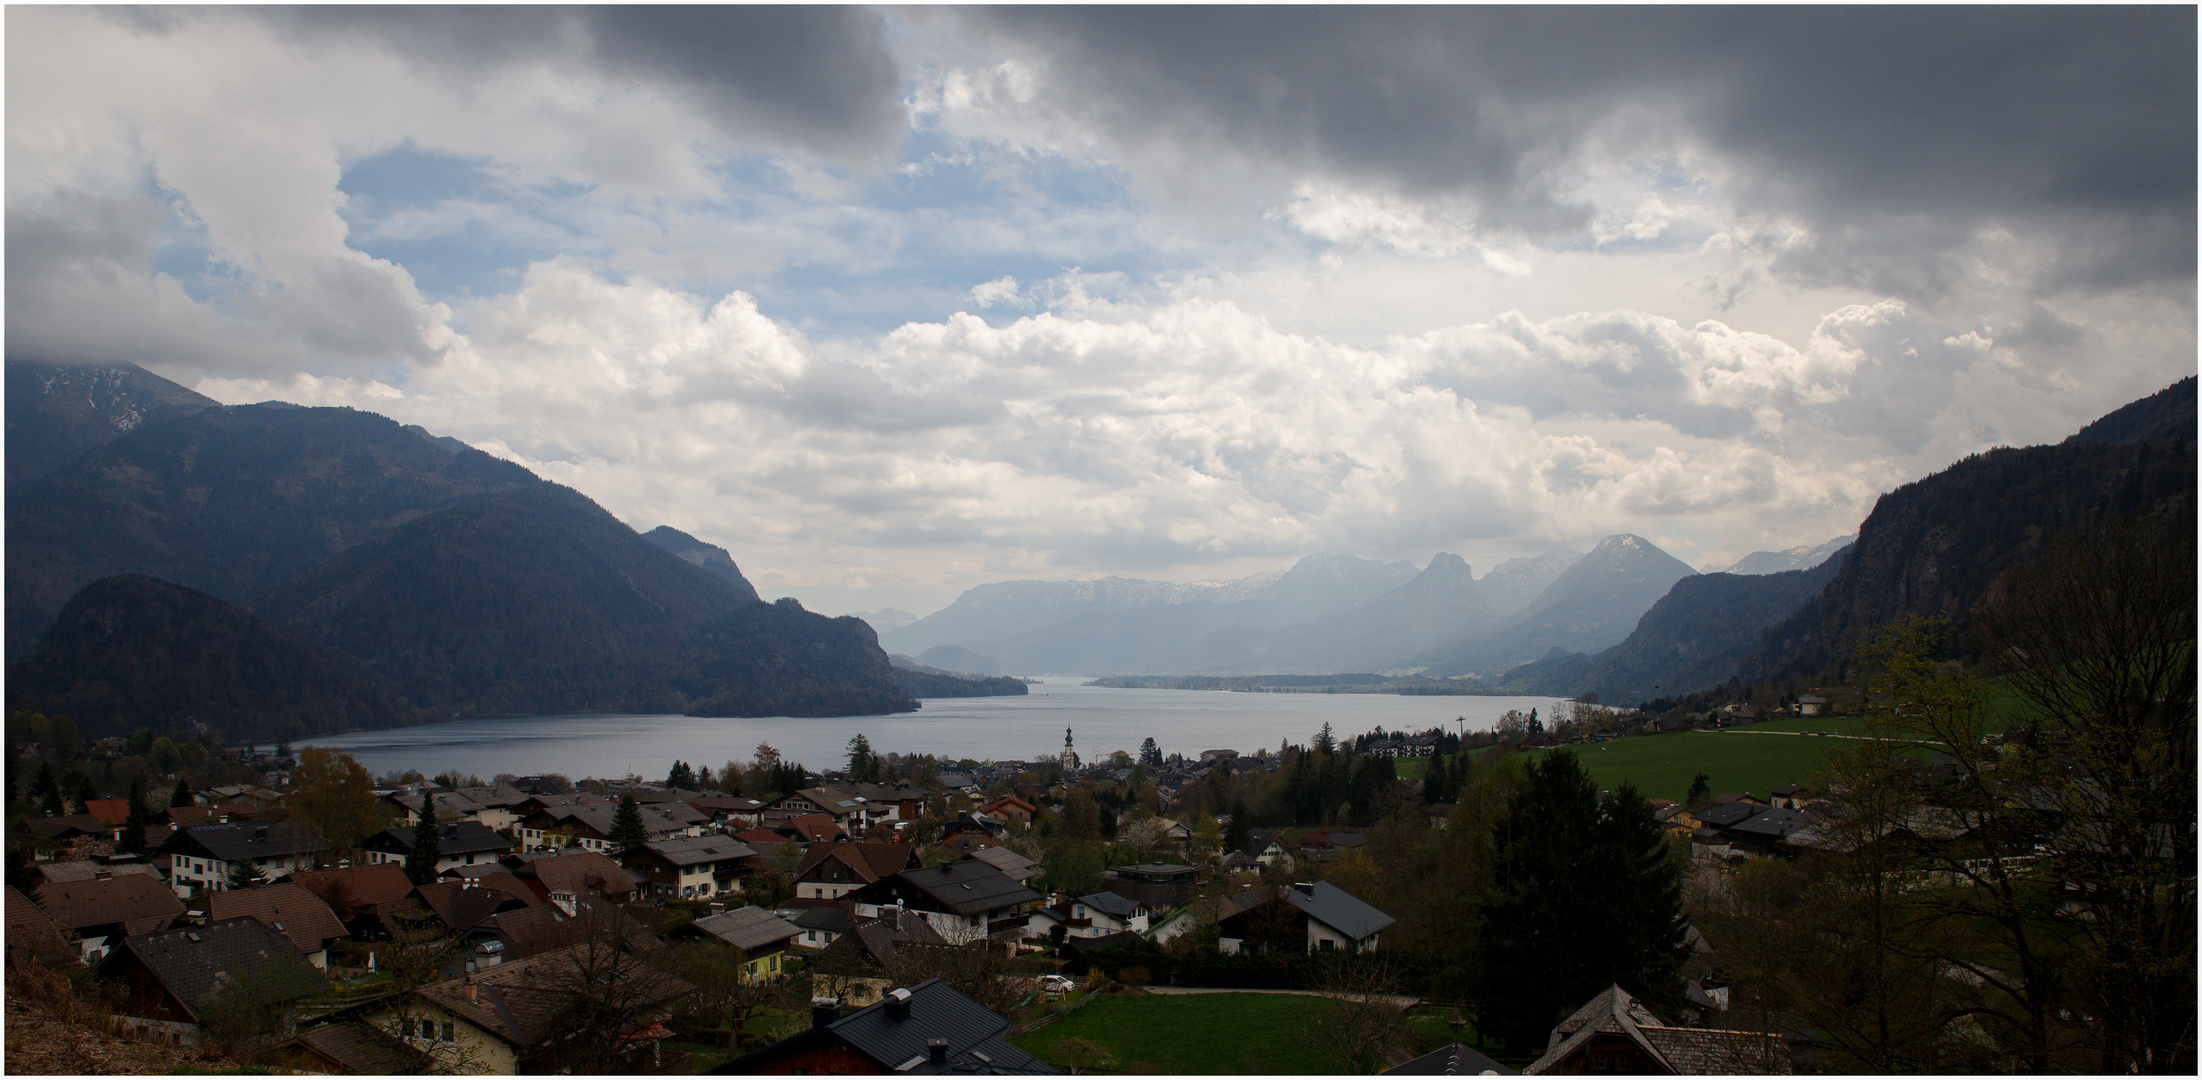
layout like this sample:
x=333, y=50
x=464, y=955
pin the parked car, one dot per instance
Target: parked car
x=1056, y=984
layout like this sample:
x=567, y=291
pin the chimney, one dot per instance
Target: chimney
x=823, y=1011
x=473, y=992
x=1304, y=888
x=936, y=1051
x=898, y=1004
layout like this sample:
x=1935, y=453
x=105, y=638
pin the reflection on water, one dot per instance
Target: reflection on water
x=1102, y=720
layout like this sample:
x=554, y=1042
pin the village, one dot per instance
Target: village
x=318, y=922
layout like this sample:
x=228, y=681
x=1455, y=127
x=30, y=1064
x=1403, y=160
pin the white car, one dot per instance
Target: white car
x=1055, y=984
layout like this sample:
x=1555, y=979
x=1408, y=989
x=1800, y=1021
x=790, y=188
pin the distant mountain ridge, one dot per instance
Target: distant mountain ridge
x=1591, y=606
x=1797, y=558
x=466, y=583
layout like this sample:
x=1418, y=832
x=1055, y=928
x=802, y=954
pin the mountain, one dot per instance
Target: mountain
x=1695, y=637
x=228, y=501
x=956, y=658
x=538, y=601
x=710, y=558
x=1120, y=624
x=1589, y=607
x=1796, y=558
x=2164, y=416
x=1932, y=547
x=56, y=412
x=886, y=619
x=1512, y=585
x=133, y=651
x=1440, y=603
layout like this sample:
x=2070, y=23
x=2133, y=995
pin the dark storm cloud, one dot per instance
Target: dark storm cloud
x=818, y=78
x=1954, y=116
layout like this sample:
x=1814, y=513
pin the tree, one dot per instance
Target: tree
x=335, y=797
x=1700, y=796
x=282, y=748
x=863, y=763
x=1150, y=754
x=1240, y=834
x=244, y=875
x=181, y=797
x=1325, y=741
x=1360, y=1018
x=681, y=776
x=133, y=828
x=1582, y=898
x=85, y=793
x=427, y=850
x=628, y=831
x=2096, y=635
x=48, y=790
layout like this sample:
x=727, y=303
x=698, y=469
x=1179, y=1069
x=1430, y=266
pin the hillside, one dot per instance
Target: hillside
x=710, y=558
x=538, y=601
x=132, y=651
x=1593, y=605
x=1695, y=637
x=1440, y=603
x=228, y=501
x=1932, y=547
x=56, y=412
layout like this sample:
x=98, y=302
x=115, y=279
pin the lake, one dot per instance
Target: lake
x=1102, y=719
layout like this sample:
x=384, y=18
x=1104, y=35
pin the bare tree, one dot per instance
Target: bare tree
x=1362, y=1018
x=604, y=995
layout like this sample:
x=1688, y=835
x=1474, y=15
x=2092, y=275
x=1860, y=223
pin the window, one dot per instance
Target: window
x=450, y=1031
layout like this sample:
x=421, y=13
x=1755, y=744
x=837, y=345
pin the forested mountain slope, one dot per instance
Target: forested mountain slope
x=56, y=412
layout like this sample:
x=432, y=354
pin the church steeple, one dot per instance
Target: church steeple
x=1070, y=755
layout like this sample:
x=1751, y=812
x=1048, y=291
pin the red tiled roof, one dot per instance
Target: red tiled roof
x=816, y=827
x=288, y=909
x=141, y=904
x=871, y=861
x=354, y=887
x=115, y=812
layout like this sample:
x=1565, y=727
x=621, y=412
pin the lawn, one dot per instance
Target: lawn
x=1749, y=760
x=1191, y=1034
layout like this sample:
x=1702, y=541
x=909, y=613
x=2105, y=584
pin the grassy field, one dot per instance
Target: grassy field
x=1191, y=1033
x=1749, y=760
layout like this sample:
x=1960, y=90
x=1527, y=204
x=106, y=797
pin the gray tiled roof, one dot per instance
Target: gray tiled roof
x=977, y=1037
x=452, y=838
x=968, y=887
x=1112, y=904
x=195, y=963
x=1454, y=1060
x=694, y=850
x=1730, y=815
x=233, y=843
x=748, y=927
x=1336, y=907
x=1772, y=824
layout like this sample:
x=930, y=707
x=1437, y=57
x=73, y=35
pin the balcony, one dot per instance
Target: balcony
x=1013, y=923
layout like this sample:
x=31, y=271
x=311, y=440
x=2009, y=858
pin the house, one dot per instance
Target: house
x=585, y=821
x=51, y=873
x=466, y=907
x=760, y=935
x=1811, y=705
x=975, y=824
x=1020, y=869
x=1787, y=797
x=1304, y=917
x=1615, y=1033
x=183, y=817
x=515, y=1017
x=890, y=802
x=1090, y=917
x=34, y=937
x=1011, y=810
x=1765, y=832
x=203, y=856
x=114, y=812
x=824, y=921
x=167, y=979
x=566, y=880
x=459, y=843
x=734, y=811
x=691, y=866
x=929, y=1028
x=352, y=1048
x=61, y=830
x=1441, y=815
x=289, y=910
x=856, y=968
x=812, y=829
x=366, y=899
x=966, y=901
x=830, y=871
x=1459, y=1059
x=102, y=912
x=849, y=812
x=1263, y=849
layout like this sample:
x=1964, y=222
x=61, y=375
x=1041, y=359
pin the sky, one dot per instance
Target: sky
x=893, y=302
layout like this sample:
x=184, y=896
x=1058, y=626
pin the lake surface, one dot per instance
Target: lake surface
x=1102, y=719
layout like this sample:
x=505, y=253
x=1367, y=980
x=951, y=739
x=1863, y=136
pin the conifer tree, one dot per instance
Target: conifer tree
x=182, y=795
x=420, y=862
x=1240, y=834
x=628, y=832
x=85, y=793
x=48, y=790
x=133, y=828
